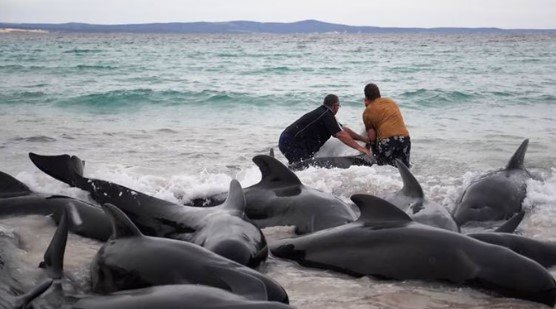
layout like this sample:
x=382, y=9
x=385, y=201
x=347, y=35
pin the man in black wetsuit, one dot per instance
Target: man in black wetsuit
x=303, y=138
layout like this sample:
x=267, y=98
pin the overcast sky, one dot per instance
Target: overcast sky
x=397, y=13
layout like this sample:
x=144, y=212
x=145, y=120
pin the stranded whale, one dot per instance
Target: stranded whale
x=223, y=229
x=385, y=242
x=130, y=260
x=17, y=199
x=334, y=162
x=411, y=199
x=280, y=199
x=497, y=195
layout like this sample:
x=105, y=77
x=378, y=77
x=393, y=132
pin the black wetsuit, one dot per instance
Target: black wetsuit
x=306, y=135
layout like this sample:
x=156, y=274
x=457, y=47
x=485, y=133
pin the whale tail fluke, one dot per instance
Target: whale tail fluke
x=54, y=255
x=68, y=169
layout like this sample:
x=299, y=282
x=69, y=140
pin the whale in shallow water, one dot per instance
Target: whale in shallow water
x=411, y=199
x=16, y=199
x=387, y=243
x=280, y=199
x=224, y=229
x=496, y=195
x=334, y=162
x=130, y=260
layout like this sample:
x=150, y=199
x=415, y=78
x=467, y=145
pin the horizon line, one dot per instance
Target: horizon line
x=275, y=22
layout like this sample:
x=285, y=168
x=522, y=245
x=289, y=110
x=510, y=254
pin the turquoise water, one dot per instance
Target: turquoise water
x=178, y=116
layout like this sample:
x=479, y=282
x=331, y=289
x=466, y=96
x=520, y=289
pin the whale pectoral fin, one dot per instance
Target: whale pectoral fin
x=376, y=211
x=411, y=186
x=240, y=283
x=274, y=173
x=236, y=198
x=516, y=162
x=24, y=300
x=510, y=225
x=10, y=187
x=121, y=224
x=64, y=168
x=54, y=255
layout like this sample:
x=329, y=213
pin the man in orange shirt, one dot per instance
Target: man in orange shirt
x=386, y=128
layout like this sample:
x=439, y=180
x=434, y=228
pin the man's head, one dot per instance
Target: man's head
x=371, y=93
x=333, y=102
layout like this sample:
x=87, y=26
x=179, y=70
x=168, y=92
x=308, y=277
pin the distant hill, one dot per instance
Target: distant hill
x=306, y=26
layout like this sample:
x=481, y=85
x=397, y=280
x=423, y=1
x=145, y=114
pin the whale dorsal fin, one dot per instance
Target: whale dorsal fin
x=376, y=211
x=236, y=198
x=411, y=186
x=516, y=162
x=23, y=301
x=9, y=186
x=54, y=255
x=240, y=283
x=121, y=225
x=274, y=172
x=510, y=225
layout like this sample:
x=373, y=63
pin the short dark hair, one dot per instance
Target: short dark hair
x=330, y=100
x=372, y=92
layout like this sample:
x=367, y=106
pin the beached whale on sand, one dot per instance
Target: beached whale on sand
x=183, y=296
x=179, y=296
x=130, y=260
x=497, y=195
x=165, y=296
x=385, y=242
x=16, y=199
x=280, y=199
x=223, y=229
x=411, y=199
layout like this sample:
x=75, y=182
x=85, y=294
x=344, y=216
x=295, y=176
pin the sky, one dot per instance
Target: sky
x=508, y=14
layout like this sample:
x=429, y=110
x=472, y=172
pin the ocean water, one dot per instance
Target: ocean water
x=179, y=116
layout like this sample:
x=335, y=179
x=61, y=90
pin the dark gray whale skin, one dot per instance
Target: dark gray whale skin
x=385, y=242
x=185, y=296
x=496, y=195
x=412, y=200
x=130, y=260
x=333, y=162
x=281, y=199
x=87, y=220
x=543, y=252
x=223, y=229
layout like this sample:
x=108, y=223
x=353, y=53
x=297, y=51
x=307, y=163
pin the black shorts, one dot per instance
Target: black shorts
x=387, y=150
x=293, y=151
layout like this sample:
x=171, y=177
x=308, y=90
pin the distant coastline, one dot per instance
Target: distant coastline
x=306, y=26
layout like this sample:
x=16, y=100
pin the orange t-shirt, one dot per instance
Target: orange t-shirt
x=384, y=116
